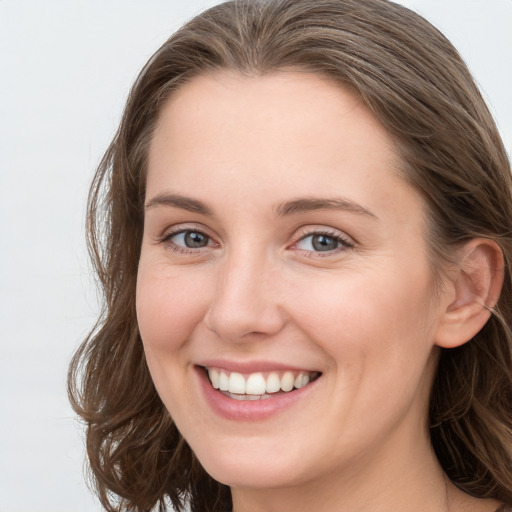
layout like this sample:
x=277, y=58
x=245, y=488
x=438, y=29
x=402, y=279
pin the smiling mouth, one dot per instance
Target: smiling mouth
x=259, y=385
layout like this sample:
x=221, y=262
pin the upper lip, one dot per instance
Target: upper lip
x=251, y=366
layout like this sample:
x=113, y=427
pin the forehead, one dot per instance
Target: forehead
x=284, y=97
x=284, y=134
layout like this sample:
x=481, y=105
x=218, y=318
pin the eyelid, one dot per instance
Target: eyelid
x=170, y=231
x=345, y=240
x=173, y=231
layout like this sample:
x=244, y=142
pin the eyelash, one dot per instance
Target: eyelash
x=167, y=240
x=343, y=242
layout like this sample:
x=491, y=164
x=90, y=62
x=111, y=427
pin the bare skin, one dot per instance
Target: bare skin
x=239, y=265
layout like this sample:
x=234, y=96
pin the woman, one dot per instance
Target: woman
x=303, y=232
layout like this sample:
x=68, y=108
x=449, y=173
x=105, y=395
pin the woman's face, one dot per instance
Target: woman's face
x=280, y=247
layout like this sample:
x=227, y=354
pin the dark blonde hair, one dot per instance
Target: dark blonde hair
x=419, y=88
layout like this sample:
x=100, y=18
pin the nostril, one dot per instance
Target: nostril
x=243, y=325
x=243, y=307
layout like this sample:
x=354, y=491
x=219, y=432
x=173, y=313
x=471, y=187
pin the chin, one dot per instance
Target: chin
x=238, y=469
x=246, y=477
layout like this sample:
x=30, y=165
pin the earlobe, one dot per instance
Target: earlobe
x=475, y=289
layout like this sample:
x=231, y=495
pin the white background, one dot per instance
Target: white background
x=65, y=70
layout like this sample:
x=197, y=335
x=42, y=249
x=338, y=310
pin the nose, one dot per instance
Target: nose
x=246, y=303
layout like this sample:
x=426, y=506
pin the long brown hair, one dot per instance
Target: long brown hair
x=418, y=87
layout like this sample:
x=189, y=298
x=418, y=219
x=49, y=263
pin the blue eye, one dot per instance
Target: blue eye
x=189, y=239
x=321, y=242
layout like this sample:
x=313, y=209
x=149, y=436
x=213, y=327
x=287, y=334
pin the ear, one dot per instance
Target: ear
x=473, y=290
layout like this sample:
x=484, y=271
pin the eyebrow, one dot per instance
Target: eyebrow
x=308, y=204
x=179, y=201
x=293, y=207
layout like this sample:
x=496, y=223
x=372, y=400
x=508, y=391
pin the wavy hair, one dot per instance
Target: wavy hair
x=418, y=87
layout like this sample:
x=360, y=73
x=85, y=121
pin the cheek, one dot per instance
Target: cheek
x=375, y=321
x=169, y=307
x=170, y=304
x=378, y=341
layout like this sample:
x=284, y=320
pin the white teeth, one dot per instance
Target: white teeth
x=214, y=377
x=255, y=386
x=287, y=381
x=273, y=384
x=236, y=383
x=247, y=397
x=301, y=380
x=223, y=381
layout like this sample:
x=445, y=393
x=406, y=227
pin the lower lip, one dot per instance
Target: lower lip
x=250, y=410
